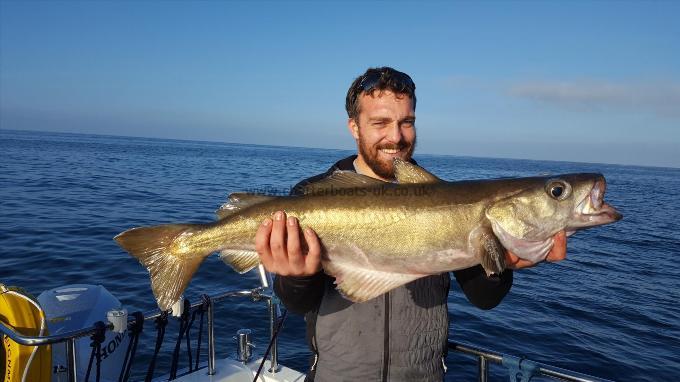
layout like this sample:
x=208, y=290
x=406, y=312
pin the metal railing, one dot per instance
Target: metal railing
x=519, y=369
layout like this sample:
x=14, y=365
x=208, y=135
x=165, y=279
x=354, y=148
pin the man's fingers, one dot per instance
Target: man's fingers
x=262, y=244
x=313, y=258
x=521, y=263
x=277, y=241
x=559, y=249
x=513, y=261
x=295, y=259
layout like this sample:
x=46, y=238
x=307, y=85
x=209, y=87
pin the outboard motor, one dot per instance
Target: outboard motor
x=78, y=306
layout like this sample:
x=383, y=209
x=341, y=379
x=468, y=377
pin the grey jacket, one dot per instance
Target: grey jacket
x=400, y=336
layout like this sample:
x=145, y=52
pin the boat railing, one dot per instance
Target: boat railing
x=70, y=338
x=519, y=369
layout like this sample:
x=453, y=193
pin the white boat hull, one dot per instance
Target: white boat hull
x=228, y=370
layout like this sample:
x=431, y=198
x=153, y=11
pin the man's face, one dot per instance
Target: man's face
x=384, y=129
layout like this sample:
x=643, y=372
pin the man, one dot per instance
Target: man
x=402, y=335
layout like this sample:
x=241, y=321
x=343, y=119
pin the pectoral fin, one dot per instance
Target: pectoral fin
x=488, y=249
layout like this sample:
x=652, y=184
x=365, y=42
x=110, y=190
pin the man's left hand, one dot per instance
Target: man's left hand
x=557, y=253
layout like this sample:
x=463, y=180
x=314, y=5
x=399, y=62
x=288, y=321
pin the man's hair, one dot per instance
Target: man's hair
x=379, y=79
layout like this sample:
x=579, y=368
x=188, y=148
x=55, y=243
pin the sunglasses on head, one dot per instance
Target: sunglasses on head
x=369, y=81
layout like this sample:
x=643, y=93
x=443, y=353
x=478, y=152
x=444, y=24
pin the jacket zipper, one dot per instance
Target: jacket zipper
x=386, y=352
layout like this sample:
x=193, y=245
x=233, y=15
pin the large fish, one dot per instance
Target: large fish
x=377, y=236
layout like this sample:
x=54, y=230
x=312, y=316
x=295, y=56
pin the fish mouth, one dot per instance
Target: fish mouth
x=593, y=210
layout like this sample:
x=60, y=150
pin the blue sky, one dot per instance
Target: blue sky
x=576, y=81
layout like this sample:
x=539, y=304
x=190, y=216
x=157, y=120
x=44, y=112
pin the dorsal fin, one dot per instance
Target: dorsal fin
x=240, y=200
x=340, y=179
x=406, y=172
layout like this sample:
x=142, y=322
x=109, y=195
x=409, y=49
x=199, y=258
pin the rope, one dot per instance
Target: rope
x=191, y=325
x=204, y=308
x=271, y=342
x=183, y=328
x=135, y=329
x=97, y=338
x=161, y=323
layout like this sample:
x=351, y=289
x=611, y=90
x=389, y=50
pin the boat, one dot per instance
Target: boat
x=81, y=333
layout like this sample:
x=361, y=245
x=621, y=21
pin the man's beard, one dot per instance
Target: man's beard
x=381, y=167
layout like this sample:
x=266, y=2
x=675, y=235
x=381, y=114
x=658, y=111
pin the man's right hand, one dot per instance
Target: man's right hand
x=278, y=243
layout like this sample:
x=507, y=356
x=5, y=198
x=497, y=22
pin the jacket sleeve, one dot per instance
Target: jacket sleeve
x=482, y=291
x=300, y=294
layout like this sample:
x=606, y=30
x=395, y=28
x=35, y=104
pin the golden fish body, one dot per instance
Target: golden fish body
x=377, y=236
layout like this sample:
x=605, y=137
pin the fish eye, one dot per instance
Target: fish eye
x=558, y=189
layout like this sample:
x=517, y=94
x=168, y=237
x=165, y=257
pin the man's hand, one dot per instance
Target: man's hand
x=557, y=253
x=278, y=244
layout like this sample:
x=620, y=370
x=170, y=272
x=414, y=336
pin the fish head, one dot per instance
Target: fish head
x=535, y=209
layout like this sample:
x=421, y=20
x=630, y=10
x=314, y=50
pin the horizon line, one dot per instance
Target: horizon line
x=331, y=149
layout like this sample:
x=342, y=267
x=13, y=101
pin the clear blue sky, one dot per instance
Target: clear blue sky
x=579, y=81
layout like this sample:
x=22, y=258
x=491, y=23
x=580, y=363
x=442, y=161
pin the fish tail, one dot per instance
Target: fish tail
x=166, y=252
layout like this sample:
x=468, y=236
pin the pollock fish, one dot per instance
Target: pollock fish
x=377, y=236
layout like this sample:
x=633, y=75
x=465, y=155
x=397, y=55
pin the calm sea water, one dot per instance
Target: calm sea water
x=610, y=310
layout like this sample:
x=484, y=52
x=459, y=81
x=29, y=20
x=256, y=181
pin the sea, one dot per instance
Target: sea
x=611, y=309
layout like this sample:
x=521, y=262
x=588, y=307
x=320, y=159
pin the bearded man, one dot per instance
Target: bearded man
x=401, y=335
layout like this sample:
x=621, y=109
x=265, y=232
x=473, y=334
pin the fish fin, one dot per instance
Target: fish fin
x=156, y=249
x=407, y=172
x=488, y=249
x=356, y=278
x=362, y=284
x=240, y=200
x=240, y=260
x=338, y=180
